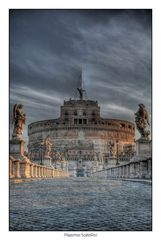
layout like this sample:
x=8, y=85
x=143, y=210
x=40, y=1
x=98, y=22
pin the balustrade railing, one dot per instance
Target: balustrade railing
x=26, y=169
x=135, y=170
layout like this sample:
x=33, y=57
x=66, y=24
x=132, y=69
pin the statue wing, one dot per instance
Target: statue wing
x=14, y=112
x=147, y=117
x=79, y=90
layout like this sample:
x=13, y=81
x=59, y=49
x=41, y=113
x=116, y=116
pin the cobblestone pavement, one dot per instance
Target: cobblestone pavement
x=80, y=204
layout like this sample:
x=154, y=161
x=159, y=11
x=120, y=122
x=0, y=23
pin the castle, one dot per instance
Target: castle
x=85, y=138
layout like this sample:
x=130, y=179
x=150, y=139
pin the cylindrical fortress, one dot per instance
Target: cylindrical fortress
x=80, y=132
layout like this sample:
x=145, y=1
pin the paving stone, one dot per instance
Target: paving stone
x=80, y=204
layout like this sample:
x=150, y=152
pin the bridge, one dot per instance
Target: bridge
x=80, y=204
x=48, y=199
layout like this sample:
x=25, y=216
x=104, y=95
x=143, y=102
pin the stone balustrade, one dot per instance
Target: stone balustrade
x=141, y=169
x=26, y=169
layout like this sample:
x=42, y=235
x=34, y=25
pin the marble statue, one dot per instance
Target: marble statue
x=47, y=146
x=111, y=148
x=141, y=120
x=19, y=119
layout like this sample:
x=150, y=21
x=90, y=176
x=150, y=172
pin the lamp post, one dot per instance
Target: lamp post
x=28, y=149
x=62, y=160
x=66, y=160
x=117, y=152
x=41, y=152
x=55, y=160
x=97, y=159
x=59, y=157
x=52, y=156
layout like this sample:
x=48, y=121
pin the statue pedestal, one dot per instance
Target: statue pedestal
x=63, y=165
x=25, y=168
x=143, y=147
x=58, y=165
x=112, y=161
x=46, y=161
x=17, y=148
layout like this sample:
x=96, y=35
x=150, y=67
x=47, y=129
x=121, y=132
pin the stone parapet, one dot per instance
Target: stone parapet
x=25, y=169
x=135, y=170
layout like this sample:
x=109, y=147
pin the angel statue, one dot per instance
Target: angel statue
x=47, y=145
x=141, y=119
x=111, y=146
x=81, y=91
x=19, y=118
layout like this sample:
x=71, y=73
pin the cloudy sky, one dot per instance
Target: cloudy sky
x=49, y=48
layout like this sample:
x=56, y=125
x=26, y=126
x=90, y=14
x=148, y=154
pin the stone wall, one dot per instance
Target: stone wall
x=26, y=169
x=87, y=138
x=81, y=129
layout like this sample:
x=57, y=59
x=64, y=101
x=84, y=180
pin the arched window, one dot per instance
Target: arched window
x=122, y=125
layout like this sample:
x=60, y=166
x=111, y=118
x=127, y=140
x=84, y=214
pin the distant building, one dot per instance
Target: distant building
x=87, y=140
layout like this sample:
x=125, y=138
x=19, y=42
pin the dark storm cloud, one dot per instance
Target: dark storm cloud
x=48, y=49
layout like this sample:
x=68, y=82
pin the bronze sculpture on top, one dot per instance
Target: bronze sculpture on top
x=19, y=118
x=80, y=89
x=81, y=92
x=141, y=120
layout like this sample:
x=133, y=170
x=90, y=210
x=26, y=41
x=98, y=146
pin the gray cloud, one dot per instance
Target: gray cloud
x=48, y=48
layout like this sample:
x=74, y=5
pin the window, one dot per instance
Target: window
x=75, y=121
x=80, y=121
x=84, y=121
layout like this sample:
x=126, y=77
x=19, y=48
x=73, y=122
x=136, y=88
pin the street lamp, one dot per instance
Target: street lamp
x=97, y=158
x=117, y=152
x=41, y=152
x=66, y=159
